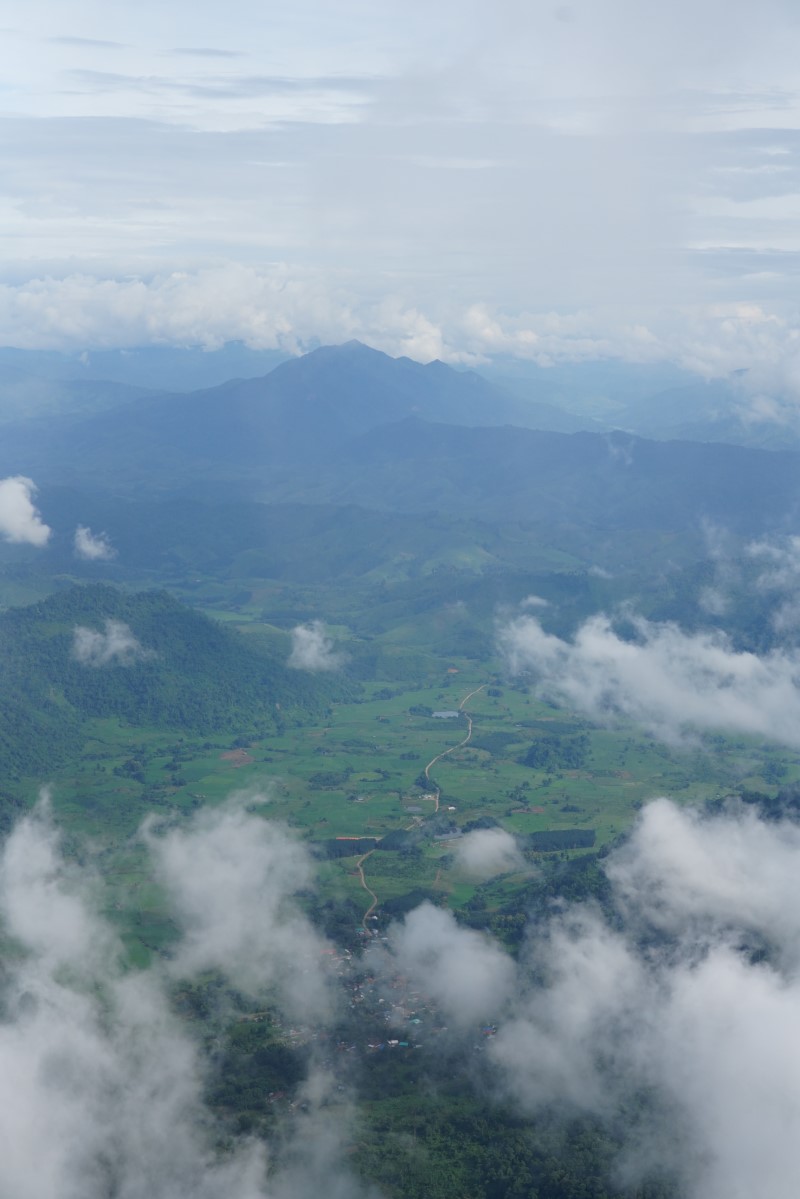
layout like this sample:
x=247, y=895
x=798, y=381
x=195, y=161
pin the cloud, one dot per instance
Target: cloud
x=312, y=649
x=116, y=646
x=781, y=560
x=780, y=574
x=673, y=1020
x=639, y=201
x=696, y=1021
x=534, y=601
x=691, y=875
x=19, y=520
x=207, y=52
x=231, y=878
x=463, y=971
x=484, y=853
x=93, y=547
x=550, y=1052
x=715, y=598
x=670, y=682
x=89, y=42
x=294, y=306
x=100, y=1085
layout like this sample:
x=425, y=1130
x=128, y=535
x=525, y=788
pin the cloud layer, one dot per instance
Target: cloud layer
x=312, y=649
x=101, y=1084
x=684, y=1009
x=484, y=853
x=232, y=878
x=496, y=178
x=116, y=646
x=20, y=522
x=668, y=681
x=93, y=547
x=102, y=1088
x=463, y=971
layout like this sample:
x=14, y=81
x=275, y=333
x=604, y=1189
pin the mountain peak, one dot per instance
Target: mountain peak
x=353, y=346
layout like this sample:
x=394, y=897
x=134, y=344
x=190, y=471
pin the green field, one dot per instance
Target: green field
x=358, y=775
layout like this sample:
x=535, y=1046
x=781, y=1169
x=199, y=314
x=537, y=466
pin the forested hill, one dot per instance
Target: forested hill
x=295, y=415
x=612, y=480
x=159, y=663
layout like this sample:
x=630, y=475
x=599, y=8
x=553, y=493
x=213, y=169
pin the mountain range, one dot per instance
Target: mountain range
x=350, y=426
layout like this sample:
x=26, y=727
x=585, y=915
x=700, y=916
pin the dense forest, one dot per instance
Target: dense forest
x=173, y=668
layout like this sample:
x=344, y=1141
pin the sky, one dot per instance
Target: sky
x=578, y=180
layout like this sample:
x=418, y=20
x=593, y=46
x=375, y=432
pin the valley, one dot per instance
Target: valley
x=439, y=677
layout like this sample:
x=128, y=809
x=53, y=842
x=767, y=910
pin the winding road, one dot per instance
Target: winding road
x=368, y=889
x=437, y=791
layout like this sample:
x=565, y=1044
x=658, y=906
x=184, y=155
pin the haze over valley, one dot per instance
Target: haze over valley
x=399, y=620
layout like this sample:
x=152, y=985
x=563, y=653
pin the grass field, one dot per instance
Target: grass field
x=359, y=775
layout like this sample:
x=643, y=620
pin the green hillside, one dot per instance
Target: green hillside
x=192, y=674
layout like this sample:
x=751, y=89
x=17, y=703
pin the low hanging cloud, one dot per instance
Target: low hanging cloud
x=231, y=878
x=116, y=646
x=674, y=1022
x=101, y=1084
x=487, y=852
x=463, y=971
x=670, y=682
x=313, y=649
x=780, y=563
x=20, y=522
x=93, y=547
x=779, y=576
x=700, y=1020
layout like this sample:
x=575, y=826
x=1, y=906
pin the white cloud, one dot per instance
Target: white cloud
x=781, y=563
x=626, y=212
x=231, y=877
x=694, y=1021
x=463, y=971
x=662, y=1021
x=670, y=682
x=93, y=547
x=100, y=1086
x=19, y=520
x=560, y=1044
x=680, y=871
x=781, y=576
x=313, y=649
x=484, y=853
x=294, y=306
x=117, y=646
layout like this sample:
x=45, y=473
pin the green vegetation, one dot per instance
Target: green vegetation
x=202, y=704
x=188, y=674
x=341, y=758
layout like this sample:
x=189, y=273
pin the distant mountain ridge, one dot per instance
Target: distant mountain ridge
x=715, y=410
x=349, y=425
x=154, y=368
x=25, y=396
x=295, y=414
x=603, y=480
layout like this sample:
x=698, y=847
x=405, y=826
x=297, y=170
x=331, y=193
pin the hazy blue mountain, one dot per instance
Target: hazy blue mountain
x=177, y=538
x=600, y=389
x=588, y=479
x=296, y=414
x=25, y=397
x=158, y=368
x=713, y=410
